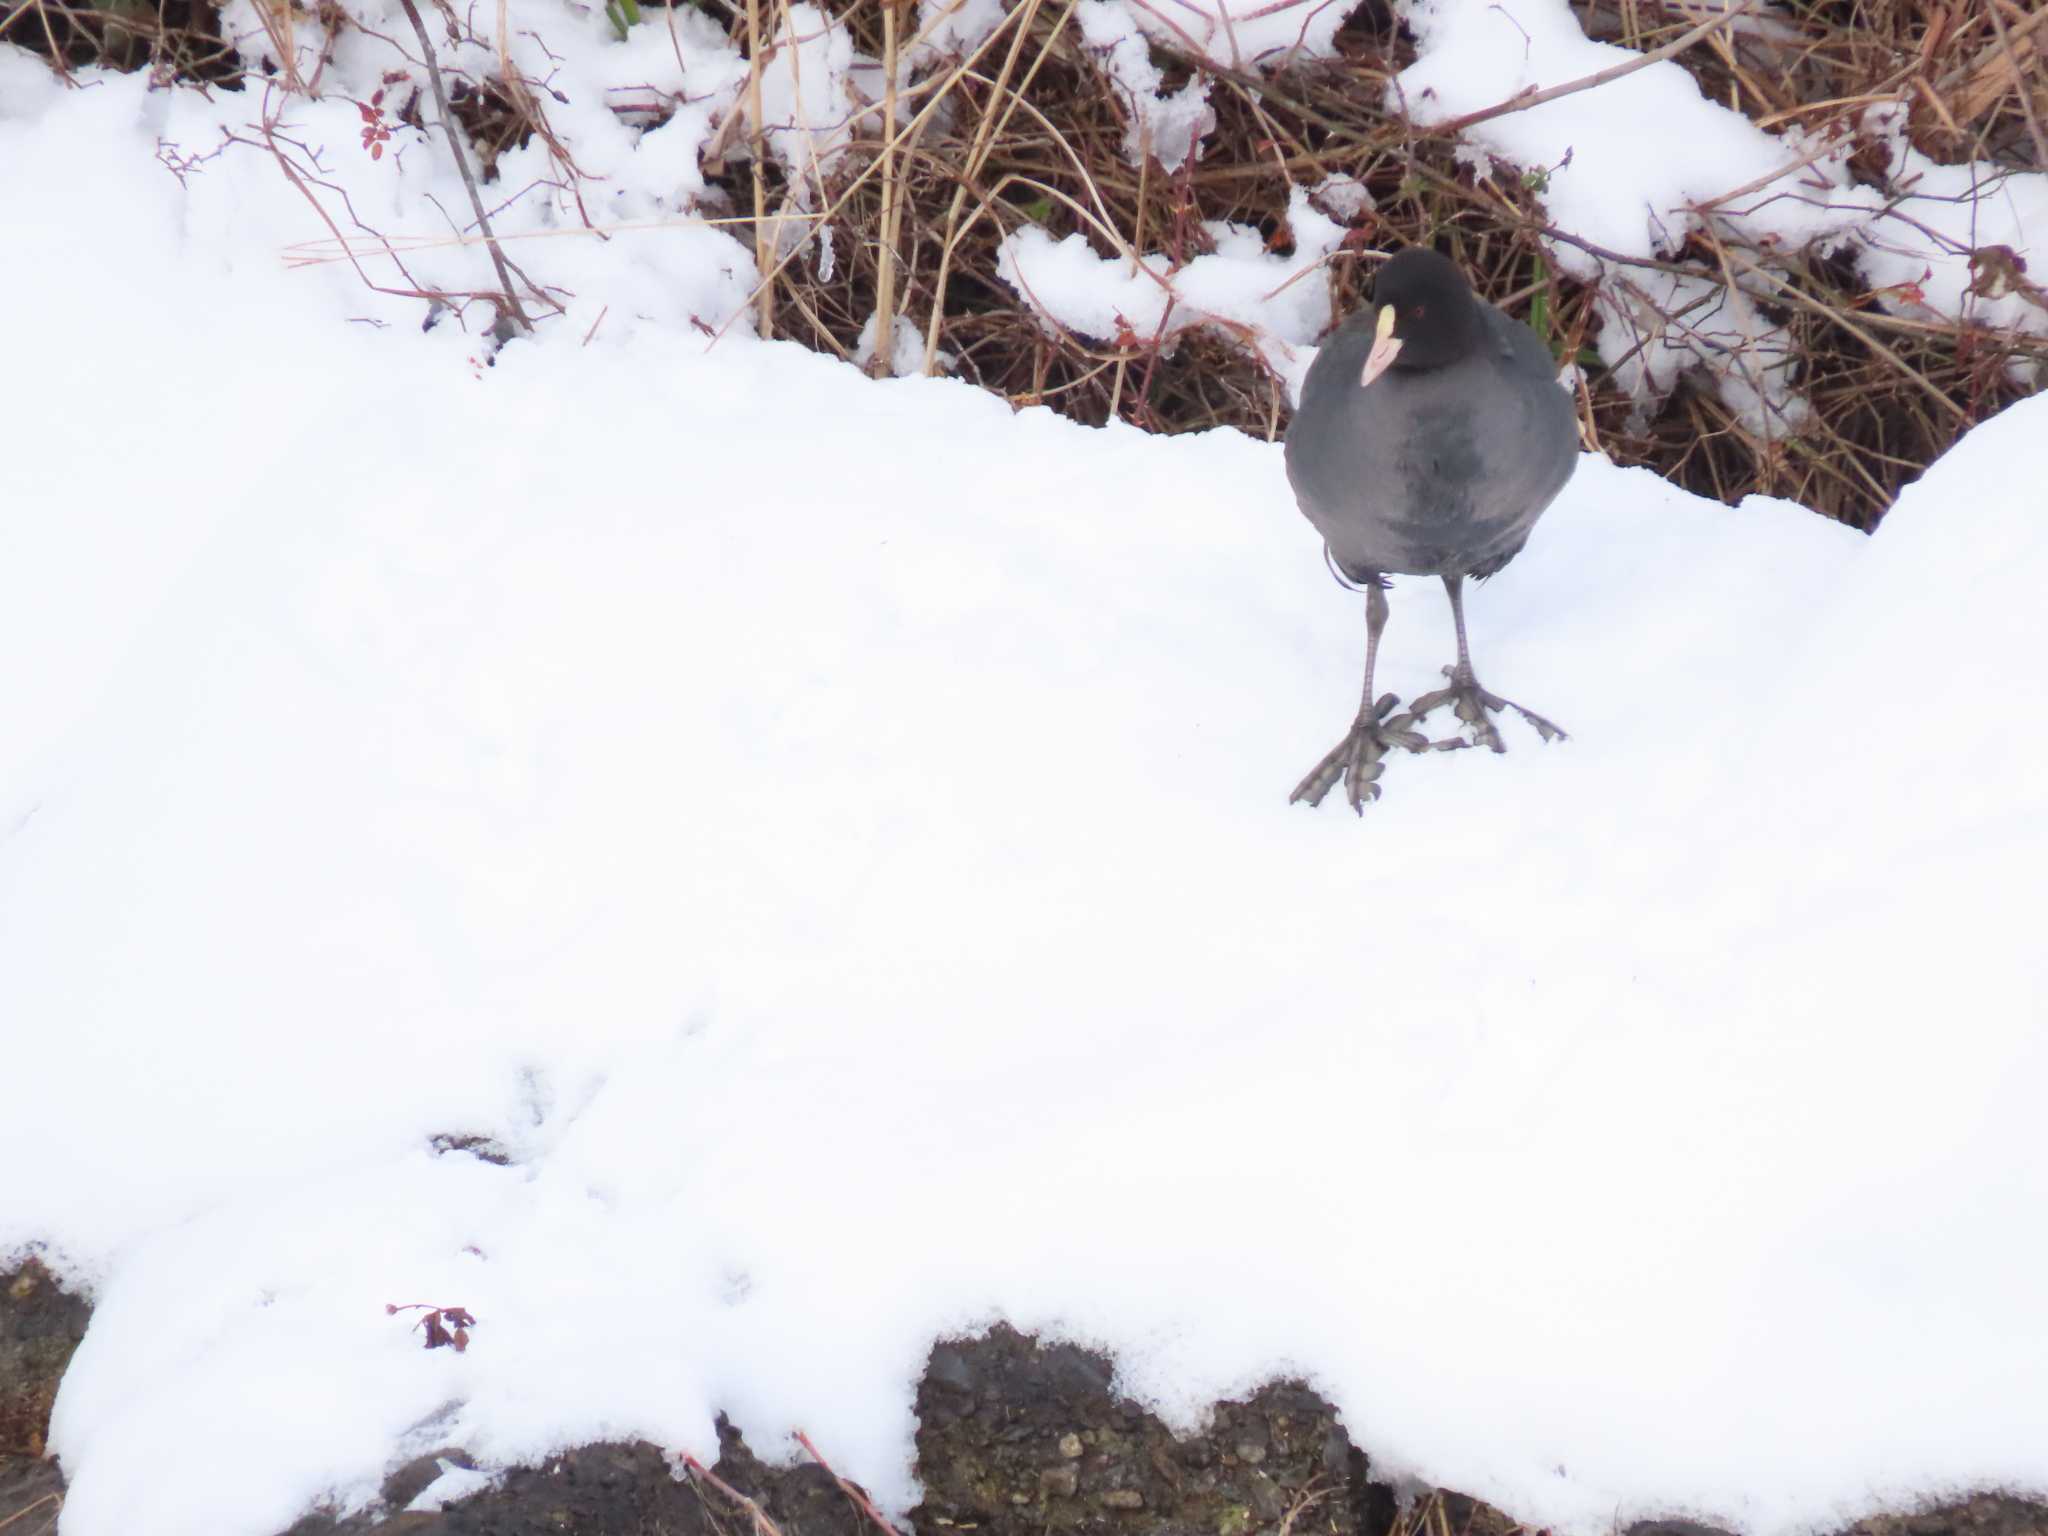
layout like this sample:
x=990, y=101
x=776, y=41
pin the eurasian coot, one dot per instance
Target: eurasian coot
x=1431, y=435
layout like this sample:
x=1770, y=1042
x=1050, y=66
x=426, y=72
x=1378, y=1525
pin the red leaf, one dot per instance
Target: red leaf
x=377, y=151
x=369, y=112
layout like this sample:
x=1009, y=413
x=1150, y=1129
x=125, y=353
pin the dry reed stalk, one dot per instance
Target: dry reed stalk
x=276, y=19
x=989, y=128
x=882, y=363
x=2021, y=56
x=764, y=296
x=907, y=133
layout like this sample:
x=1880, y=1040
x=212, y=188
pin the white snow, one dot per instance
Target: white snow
x=1947, y=213
x=1656, y=324
x=956, y=27
x=1626, y=171
x=1632, y=167
x=1246, y=36
x=906, y=348
x=833, y=835
x=1274, y=305
x=811, y=98
x=453, y=1486
x=1240, y=34
x=1162, y=125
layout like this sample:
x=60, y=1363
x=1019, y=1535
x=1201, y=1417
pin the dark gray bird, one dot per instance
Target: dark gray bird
x=1430, y=437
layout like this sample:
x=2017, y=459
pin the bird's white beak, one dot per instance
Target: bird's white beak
x=1386, y=346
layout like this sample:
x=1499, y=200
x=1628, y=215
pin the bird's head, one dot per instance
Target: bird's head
x=1427, y=315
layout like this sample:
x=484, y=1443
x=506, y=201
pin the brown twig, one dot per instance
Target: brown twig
x=853, y=1491
x=54, y=1500
x=1524, y=100
x=882, y=363
x=763, y=1526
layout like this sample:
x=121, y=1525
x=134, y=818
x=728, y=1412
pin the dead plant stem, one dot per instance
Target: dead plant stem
x=882, y=363
x=977, y=154
x=1533, y=98
x=907, y=133
x=1792, y=295
x=2022, y=85
x=764, y=296
x=853, y=1491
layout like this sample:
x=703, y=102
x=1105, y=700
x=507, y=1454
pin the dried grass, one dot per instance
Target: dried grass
x=172, y=39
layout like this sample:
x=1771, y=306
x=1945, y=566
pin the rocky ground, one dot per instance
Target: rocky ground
x=1015, y=1438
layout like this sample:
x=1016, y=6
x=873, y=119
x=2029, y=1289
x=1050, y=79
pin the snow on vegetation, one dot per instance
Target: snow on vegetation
x=1160, y=125
x=1247, y=35
x=1168, y=126
x=1278, y=304
x=833, y=836
x=1629, y=169
x=1625, y=172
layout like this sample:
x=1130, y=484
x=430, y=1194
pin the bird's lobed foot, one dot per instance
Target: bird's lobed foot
x=1475, y=706
x=1357, y=759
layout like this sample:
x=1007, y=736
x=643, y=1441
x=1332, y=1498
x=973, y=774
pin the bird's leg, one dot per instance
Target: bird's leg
x=1473, y=702
x=1356, y=759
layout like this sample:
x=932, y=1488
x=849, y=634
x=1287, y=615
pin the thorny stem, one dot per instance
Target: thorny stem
x=882, y=363
x=765, y=294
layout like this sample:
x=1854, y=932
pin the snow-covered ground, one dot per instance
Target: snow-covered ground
x=834, y=835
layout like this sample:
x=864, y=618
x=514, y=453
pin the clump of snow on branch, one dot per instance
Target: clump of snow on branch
x=1274, y=304
x=906, y=348
x=955, y=28
x=1344, y=197
x=1161, y=125
x=1241, y=35
x=814, y=90
x=1634, y=166
x=1658, y=325
x=1946, y=247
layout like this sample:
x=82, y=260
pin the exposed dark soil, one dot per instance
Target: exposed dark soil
x=31, y=1494
x=1016, y=1437
x=40, y=1325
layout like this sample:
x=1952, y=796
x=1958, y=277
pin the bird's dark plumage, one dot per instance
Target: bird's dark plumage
x=1430, y=436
